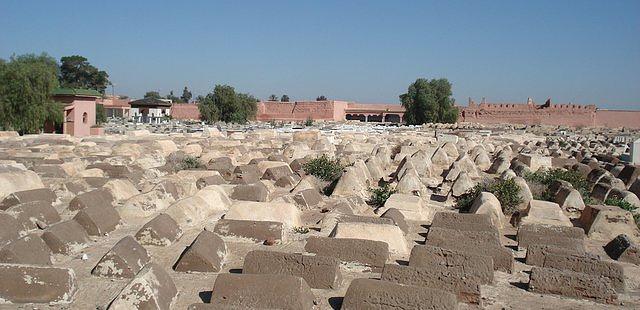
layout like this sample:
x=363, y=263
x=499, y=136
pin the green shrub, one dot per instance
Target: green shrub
x=620, y=203
x=547, y=177
x=190, y=163
x=586, y=197
x=379, y=195
x=507, y=192
x=324, y=168
x=300, y=230
x=309, y=121
x=636, y=217
x=465, y=201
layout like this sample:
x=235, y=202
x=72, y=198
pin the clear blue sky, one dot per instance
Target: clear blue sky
x=368, y=51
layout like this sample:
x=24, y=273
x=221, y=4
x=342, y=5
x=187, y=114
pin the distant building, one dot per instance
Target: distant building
x=116, y=107
x=329, y=110
x=150, y=110
x=79, y=111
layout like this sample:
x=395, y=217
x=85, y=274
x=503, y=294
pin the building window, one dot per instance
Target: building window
x=84, y=117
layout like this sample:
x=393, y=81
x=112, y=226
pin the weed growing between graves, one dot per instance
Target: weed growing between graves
x=620, y=203
x=465, y=201
x=300, y=230
x=190, y=163
x=308, y=122
x=507, y=192
x=546, y=177
x=379, y=195
x=324, y=168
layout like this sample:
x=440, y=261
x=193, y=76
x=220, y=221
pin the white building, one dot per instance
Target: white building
x=150, y=110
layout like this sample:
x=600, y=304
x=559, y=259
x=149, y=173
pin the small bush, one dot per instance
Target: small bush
x=547, y=177
x=620, y=203
x=507, y=192
x=308, y=122
x=324, y=168
x=586, y=198
x=190, y=163
x=636, y=217
x=300, y=230
x=465, y=201
x=380, y=195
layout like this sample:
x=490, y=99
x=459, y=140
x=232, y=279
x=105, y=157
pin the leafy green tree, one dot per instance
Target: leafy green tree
x=429, y=101
x=77, y=72
x=173, y=98
x=224, y=104
x=186, y=95
x=101, y=116
x=273, y=98
x=26, y=84
x=152, y=94
x=208, y=110
x=284, y=98
x=321, y=98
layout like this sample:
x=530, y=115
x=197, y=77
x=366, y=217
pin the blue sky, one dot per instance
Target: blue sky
x=368, y=51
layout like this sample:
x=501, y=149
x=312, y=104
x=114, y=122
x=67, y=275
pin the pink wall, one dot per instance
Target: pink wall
x=618, y=118
x=487, y=113
x=185, y=111
x=296, y=111
x=80, y=125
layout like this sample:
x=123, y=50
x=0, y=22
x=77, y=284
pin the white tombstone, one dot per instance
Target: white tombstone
x=635, y=152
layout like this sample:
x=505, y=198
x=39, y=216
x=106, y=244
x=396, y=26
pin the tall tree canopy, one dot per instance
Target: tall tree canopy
x=321, y=98
x=429, y=101
x=173, y=98
x=284, y=98
x=26, y=83
x=186, y=95
x=152, y=94
x=77, y=72
x=224, y=104
x=273, y=97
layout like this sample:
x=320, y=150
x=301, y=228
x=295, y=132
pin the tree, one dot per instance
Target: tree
x=224, y=104
x=284, y=98
x=173, y=98
x=76, y=72
x=186, y=95
x=321, y=98
x=101, y=116
x=152, y=94
x=273, y=98
x=26, y=84
x=429, y=101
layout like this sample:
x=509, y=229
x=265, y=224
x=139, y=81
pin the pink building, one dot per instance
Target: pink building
x=329, y=110
x=79, y=110
x=115, y=107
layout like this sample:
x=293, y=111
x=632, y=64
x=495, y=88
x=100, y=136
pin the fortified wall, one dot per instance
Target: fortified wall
x=485, y=113
x=547, y=114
